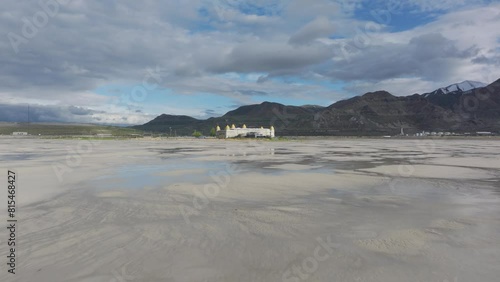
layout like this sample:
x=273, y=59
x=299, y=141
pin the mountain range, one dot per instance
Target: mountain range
x=463, y=107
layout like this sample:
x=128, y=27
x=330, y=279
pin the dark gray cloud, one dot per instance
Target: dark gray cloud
x=430, y=56
x=79, y=111
x=44, y=113
x=62, y=113
x=483, y=60
x=271, y=57
x=86, y=43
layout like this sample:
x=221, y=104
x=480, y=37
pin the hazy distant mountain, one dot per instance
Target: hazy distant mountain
x=172, y=119
x=461, y=107
x=270, y=110
x=171, y=123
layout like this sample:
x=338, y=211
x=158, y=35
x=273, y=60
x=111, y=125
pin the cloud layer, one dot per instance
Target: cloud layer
x=57, y=53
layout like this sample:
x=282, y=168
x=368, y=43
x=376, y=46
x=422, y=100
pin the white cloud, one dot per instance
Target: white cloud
x=320, y=27
x=433, y=55
x=442, y=5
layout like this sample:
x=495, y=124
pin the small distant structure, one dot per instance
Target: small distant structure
x=104, y=135
x=20, y=133
x=244, y=132
x=484, y=133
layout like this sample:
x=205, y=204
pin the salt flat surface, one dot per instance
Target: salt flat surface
x=213, y=210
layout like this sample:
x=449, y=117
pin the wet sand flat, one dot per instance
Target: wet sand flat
x=215, y=210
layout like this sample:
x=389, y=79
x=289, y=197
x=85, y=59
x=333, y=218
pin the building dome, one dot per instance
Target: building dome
x=233, y=126
x=217, y=128
x=244, y=126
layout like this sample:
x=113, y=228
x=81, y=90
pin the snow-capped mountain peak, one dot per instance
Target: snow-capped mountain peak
x=457, y=88
x=463, y=86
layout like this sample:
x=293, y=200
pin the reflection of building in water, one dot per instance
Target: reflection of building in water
x=236, y=132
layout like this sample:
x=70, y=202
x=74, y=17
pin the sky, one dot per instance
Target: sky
x=125, y=62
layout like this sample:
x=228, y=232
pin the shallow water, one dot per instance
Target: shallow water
x=261, y=211
x=140, y=176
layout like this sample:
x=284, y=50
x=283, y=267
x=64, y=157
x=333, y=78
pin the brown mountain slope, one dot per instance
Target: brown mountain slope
x=375, y=113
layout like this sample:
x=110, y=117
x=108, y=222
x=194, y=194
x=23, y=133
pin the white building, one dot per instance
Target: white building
x=234, y=132
x=20, y=133
x=104, y=135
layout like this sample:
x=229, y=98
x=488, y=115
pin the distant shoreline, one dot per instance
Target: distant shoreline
x=277, y=139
